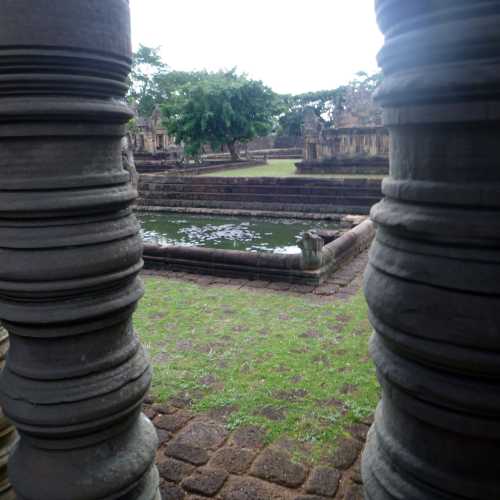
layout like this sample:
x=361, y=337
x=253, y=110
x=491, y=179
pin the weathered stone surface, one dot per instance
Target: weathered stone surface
x=207, y=481
x=249, y=437
x=172, y=492
x=354, y=492
x=71, y=249
x=359, y=431
x=163, y=436
x=276, y=466
x=180, y=401
x=192, y=454
x=233, y=460
x=247, y=488
x=433, y=282
x=165, y=409
x=345, y=453
x=149, y=412
x=309, y=497
x=173, y=422
x=206, y=434
x=323, y=481
x=356, y=473
x=174, y=470
x=7, y=432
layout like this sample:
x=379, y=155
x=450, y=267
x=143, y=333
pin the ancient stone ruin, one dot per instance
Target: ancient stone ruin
x=76, y=375
x=347, y=150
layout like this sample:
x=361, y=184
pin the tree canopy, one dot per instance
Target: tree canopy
x=223, y=108
x=219, y=109
x=148, y=69
x=152, y=82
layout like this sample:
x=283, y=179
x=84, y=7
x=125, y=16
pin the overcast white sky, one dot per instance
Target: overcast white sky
x=293, y=46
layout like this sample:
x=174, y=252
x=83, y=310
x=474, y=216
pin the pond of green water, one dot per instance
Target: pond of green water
x=230, y=233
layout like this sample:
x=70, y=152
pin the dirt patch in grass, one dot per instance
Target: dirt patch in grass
x=271, y=413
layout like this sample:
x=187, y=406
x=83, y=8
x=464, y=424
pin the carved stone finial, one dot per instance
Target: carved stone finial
x=312, y=247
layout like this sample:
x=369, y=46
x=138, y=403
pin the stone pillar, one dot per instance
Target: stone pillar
x=433, y=282
x=7, y=432
x=70, y=254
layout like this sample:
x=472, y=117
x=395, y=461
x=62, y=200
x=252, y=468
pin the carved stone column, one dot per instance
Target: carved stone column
x=433, y=282
x=7, y=432
x=70, y=254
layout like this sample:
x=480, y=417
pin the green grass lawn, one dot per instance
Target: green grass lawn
x=297, y=367
x=280, y=168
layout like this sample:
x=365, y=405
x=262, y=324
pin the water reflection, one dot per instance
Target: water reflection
x=230, y=233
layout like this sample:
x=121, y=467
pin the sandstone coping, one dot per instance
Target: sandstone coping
x=260, y=265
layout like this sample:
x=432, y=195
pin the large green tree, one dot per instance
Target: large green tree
x=148, y=70
x=218, y=109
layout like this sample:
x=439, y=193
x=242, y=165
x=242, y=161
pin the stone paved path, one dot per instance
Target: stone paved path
x=199, y=458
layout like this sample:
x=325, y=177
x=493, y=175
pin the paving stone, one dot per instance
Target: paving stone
x=204, y=280
x=309, y=497
x=327, y=289
x=345, y=454
x=359, y=431
x=247, y=488
x=163, y=436
x=149, y=412
x=302, y=288
x=276, y=466
x=343, y=296
x=336, y=280
x=280, y=286
x=202, y=433
x=369, y=420
x=356, y=472
x=354, y=492
x=207, y=481
x=323, y=481
x=233, y=460
x=174, y=470
x=192, y=454
x=165, y=409
x=180, y=401
x=172, y=492
x=249, y=437
x=174, y=422
x=258, y=284
x=222, y=413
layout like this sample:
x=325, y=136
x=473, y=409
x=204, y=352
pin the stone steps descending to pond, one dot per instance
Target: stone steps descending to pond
x=354, y=196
